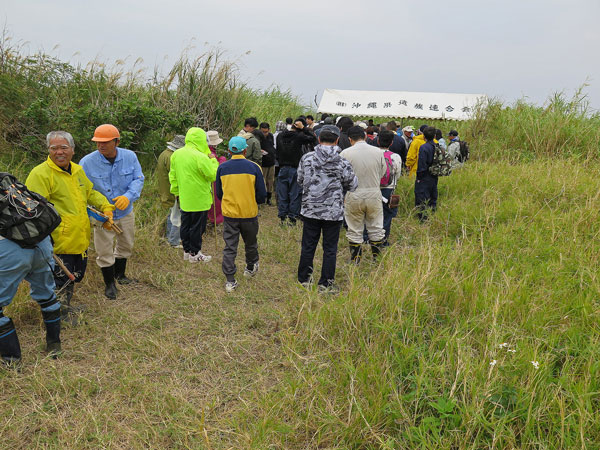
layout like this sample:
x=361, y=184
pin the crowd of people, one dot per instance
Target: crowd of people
x=326, y=174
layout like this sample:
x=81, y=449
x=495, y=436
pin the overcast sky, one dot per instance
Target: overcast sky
x=507, y=49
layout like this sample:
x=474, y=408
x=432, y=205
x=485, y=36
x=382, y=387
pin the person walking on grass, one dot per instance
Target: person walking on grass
x=241, y=187
x=116, y=174
x=254, y=153
x=65, y=184
x=363, y=206
x=426, y=192
x=193, y=169
x=164, y=188
x=324, y=177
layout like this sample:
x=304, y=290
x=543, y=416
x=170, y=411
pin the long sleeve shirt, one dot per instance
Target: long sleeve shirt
x=123, y=177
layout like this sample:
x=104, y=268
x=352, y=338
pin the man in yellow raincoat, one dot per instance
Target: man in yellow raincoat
x=65, y=184
x=412, y=157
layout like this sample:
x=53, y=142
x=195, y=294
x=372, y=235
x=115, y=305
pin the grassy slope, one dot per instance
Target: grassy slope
x=400, y=359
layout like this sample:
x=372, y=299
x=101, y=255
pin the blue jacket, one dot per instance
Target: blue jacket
x=124, y=177
x=426, y=152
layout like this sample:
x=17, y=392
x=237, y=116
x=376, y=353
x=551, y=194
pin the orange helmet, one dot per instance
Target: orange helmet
x=105, y=133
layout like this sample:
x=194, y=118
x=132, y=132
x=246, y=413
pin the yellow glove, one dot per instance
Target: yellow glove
x=109, y=223
x=121, y=202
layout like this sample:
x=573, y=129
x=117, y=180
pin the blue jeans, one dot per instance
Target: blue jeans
x=33, y=265
x=289, y=195
x=172, y=232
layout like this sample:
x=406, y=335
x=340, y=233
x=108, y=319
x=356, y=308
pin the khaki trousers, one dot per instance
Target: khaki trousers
x=269, y=176
x=104, y=241
x=364, y=208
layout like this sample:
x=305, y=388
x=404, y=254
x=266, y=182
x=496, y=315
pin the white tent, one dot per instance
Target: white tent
x=420, y=105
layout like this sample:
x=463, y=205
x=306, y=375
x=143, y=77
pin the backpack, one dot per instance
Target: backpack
x=26, y=217
x=389, y=172
x=442, y=162
x=464, y=151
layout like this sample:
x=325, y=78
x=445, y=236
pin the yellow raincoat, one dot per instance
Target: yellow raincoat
x=70, y=193
x=412, y=157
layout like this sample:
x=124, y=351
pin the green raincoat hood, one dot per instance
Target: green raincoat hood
x=196, y=139
x=192, y=172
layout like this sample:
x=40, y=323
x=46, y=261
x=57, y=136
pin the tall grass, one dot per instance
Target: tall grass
x=478, y=330
x=40, y=93
x=563, y=127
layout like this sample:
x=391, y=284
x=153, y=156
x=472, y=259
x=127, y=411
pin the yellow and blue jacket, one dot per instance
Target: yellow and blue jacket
x=240, y=186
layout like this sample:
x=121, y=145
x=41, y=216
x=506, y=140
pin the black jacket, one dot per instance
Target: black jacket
x=344, y=141
x=289, y=146
x=268, y=145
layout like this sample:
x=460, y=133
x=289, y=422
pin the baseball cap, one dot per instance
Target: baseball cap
x=332, y=129
x=237, y=144
x=408, y=128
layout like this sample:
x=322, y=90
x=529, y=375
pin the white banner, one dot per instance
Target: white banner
x=425, y=105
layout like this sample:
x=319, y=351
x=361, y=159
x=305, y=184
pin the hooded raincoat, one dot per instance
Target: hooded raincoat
x=70, y=193
x=192, y=172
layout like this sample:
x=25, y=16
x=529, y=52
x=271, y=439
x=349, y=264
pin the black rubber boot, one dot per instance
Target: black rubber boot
x=269, y=194
x=52, y=323
x=120, y=265
x=376, y=247
x=10, y=349
x=108, y=273
x=355, y=253
x=68, y=313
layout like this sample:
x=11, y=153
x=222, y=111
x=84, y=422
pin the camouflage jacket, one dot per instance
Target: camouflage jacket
x=325, y=177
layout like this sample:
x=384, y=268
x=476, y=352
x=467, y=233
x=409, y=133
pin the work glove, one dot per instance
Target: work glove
x=121, y=202
x=109, y=221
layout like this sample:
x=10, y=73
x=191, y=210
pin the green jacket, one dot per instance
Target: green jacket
x=162, y=174
x=253, y=152
x=192, y=172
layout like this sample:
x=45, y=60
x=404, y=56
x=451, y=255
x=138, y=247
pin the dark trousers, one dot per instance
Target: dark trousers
x=388, y=213
x=232, y=228
x=311, y=232
x=193, y=225
x=77, y=264
x=289, y=195
x=426, y=195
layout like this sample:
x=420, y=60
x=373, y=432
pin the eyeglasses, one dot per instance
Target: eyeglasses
x=54, y=148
